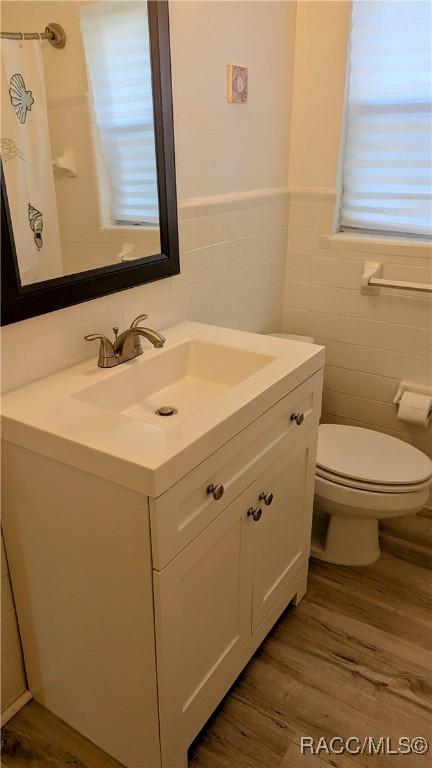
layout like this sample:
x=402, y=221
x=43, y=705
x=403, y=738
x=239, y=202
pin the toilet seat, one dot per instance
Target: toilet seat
x=371, y=487
x=368, y=460
x=331, y=497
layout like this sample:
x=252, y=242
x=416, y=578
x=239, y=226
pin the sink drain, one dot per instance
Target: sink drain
x=166, y=410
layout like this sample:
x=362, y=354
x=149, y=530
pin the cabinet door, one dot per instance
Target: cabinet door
x=281, y=537
x=202, y=609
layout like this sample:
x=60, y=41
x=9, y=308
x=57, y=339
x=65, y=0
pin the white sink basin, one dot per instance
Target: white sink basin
x=188, y=377
x=103, y=420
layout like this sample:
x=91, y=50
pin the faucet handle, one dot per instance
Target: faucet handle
x=106, y=349
x=95, y=336
x=137, y=320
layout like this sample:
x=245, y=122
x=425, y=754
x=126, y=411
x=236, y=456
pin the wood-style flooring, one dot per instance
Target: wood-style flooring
x=352, y=660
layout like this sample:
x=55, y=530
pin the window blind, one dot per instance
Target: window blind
x=387, y=163
x=116, y=43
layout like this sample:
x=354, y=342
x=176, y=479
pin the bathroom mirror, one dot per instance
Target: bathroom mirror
x=88, y=174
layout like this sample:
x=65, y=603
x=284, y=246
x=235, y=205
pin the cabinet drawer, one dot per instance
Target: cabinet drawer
x=185, y=509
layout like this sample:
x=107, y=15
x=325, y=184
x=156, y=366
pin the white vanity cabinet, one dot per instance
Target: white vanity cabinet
x=141, y=600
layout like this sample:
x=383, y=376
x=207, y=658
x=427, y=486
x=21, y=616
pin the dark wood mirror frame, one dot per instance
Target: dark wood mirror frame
x=20, y=302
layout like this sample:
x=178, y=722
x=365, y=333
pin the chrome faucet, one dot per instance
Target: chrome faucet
x=126, y=346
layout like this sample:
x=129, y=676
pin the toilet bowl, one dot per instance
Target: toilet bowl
x=362, y=476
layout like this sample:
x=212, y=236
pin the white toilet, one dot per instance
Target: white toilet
x=362, y=476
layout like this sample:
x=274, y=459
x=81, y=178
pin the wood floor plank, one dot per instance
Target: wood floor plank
x=382, y=583
x=65, y=737
x=319, y=716
x=368, y=602
x=36, y=737
x=409, y=538
x=238, y=729
x=328, y=710
x=381, y=643
x=25, y=746
x=294, y=758
x=414, y=551
x=346, y=665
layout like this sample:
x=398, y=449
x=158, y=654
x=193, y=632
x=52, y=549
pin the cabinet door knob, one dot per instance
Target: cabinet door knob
x=217, y=491
x=298, y=417
x=267, y=497
x=255, y=513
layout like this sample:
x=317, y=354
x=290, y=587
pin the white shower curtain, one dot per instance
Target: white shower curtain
x=27, y=162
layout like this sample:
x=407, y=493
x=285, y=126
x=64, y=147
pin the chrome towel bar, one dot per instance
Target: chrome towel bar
x=371, y=282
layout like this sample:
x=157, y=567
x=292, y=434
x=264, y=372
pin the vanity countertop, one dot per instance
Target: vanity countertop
x=76, y=417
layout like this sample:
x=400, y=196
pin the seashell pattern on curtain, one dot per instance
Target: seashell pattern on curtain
x=36, y=224
x=26, y=155
x=20, y=97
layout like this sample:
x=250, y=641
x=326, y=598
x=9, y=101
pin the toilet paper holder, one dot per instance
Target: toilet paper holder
x=413, y=403
x=411, y=386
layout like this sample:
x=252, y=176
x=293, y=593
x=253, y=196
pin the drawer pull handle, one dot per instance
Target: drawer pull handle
x=217, y=491
x=255, y=513
x=298, y=417
x=267, y=497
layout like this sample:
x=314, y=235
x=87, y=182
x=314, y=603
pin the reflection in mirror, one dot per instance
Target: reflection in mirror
x=77, y=136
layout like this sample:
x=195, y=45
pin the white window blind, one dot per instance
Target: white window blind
x=387, y=164
x=116, y=43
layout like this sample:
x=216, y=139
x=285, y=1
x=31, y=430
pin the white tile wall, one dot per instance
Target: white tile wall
x=372, y=342
x=232, y=266
x=85, y=243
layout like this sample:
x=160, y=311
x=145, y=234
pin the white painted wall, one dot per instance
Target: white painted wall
x=372, y=341
x=232, y=246
x=222, y=146
x=319, y=83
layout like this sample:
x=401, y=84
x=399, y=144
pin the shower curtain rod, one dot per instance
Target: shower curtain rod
x=54, y=33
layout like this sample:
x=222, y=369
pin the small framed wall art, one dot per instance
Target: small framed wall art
x=237, y=84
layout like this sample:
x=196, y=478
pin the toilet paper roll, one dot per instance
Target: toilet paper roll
x=415, y=408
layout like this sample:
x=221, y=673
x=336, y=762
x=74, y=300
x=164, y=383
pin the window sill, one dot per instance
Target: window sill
x=393, y=246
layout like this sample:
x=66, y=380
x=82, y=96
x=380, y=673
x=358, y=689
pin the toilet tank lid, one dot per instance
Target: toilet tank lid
x=363, y=454
x=294, y=337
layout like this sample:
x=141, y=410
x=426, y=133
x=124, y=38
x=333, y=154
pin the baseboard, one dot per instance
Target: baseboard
x=15, y=707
